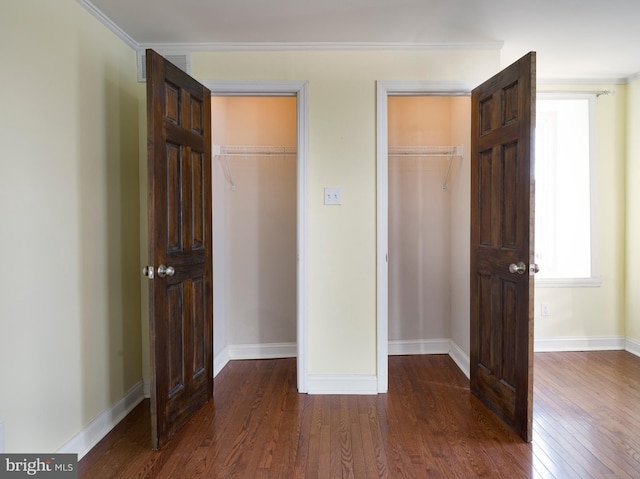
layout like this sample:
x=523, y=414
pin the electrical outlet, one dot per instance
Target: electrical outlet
x=332, y=196
x=545, y=309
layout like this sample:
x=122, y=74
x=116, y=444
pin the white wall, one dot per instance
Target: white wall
x=69, y=242
x=254, y=223
x=632, y=174
x=596, y=312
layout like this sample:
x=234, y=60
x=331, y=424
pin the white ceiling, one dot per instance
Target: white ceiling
x=575, y=39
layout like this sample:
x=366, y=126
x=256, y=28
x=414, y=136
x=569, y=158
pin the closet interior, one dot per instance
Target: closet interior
x=428, y=138
x=254, y=220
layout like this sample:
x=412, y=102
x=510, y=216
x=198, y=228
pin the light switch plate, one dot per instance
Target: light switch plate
x=332, y=196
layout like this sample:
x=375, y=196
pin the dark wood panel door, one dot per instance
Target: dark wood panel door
x=180, y=235
x=502, y=219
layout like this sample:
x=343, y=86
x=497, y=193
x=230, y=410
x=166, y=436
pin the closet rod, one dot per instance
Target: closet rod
x=425, y=151
x=433, y=151
x=221, y=150
x=224, y=152
x=597, y=93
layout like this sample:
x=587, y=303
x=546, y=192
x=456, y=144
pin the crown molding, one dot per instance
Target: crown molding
x=282, y=46
x=634, y=77
x=318, y=46
x=332, y=46
x=107, y=22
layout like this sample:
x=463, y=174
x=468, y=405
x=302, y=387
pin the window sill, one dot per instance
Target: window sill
x=595, y=282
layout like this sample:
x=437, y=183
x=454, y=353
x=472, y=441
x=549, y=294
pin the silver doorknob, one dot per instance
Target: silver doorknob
x=165, y=271
x=148, y=271
x=519, y=268
x=534, y=268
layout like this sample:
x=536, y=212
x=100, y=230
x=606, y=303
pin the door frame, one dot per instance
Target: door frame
x=384, y=89
x=299, y=89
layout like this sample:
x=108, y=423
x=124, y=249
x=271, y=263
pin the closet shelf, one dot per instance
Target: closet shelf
x=450, y=152
x=222, y=150
x=425, y=151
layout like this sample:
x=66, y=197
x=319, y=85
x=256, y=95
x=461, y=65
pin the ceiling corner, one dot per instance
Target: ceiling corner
x=107, y=22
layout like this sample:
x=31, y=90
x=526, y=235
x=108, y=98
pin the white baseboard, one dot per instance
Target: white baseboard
x=262, y=351
x=244, y=351
x=146, y=388
x=633, y=346
x=220, y=361
x=252, y=351
x=91, y=435
x=418, y=346
x=431, y=346
x=587, y=343
x=339, y=384
x=460, y=358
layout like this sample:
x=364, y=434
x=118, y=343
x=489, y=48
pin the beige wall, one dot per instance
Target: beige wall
x=599, y=311
x=342, y=267
x=69, y=241
x=144, y=233
x=632, y=260
x=254, y=223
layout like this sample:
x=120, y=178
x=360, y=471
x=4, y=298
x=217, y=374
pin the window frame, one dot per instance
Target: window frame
x=594, y=280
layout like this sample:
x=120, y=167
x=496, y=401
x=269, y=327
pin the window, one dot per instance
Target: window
x=564, y=220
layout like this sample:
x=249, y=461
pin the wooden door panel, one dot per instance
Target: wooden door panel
x=175, y=324
x=198, y=337
x=197, y=115
x=509, y=165
x=174, y=195
x=510, y=110
x=485, y=197
x=498, y=393
x=484, y=297
x=503, y=117
x=497, y=204
x=197, y=201
x=181, y=304
x=509, y=353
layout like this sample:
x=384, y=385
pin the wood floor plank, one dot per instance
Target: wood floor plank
x=586, y=425
x=582, y=422
x=374, y=448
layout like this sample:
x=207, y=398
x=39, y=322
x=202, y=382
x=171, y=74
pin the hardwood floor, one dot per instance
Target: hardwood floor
x=586, y=424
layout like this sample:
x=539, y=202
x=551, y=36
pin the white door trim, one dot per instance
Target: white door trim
x=299, y=89
x=384, y=90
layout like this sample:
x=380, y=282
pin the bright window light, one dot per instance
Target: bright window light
x=563, y=242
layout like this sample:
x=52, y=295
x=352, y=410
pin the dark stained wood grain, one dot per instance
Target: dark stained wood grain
x=586, y=424
x=502, y=199
x=180, y=234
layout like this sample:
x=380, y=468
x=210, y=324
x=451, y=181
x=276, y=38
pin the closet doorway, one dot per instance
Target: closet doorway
x=259, y=218
x=423, y=217
x=425, y=146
